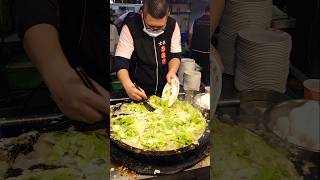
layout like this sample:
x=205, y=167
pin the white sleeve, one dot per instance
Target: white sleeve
x=125, y=45
x=176, y=40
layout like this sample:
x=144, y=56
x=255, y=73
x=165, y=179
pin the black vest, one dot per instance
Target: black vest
x=89, y=50
x=149, y=62
x=201, y=34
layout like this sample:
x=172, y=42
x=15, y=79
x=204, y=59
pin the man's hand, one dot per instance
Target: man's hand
x=78, y=102
x=134, y=93
x=131, y=90
x=75, y=100
x=171, y=75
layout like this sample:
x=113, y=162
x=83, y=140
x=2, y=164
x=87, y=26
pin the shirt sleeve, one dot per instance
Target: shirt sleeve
x=176, y=40
x=32, y=12
x=125, y=45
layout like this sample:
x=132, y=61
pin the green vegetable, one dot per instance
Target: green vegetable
x=79, y=147
x=240, y=154
x=167, y=128
x=82, y=156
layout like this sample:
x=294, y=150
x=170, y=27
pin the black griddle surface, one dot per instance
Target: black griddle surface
x=134, y=164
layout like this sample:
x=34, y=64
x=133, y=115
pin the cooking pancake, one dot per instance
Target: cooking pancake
x=165, y=129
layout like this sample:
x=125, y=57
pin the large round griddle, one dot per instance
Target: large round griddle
x=142, y=166
x=165, y=158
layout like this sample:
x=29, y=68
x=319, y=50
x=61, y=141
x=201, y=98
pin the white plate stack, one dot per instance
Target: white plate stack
x=263, y=58
x=240, y=14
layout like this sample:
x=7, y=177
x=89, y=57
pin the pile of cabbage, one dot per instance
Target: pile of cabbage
x=239, y=153
x=66, y=155
x=167, y=128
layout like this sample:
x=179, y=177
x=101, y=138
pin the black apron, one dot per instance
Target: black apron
x=83, y=36
x=149, y=62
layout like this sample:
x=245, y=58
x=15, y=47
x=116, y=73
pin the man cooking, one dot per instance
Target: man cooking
x=148, y=51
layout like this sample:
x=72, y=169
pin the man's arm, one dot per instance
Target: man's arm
x=122, y=57
x=73, y=98
x=41, y=43
x=43, y=48
x=173, y=65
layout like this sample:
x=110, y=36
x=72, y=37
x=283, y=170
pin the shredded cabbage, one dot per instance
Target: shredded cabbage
x=83, y=155
x=167, y=128
x=240, y=154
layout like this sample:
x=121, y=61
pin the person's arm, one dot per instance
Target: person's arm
x=74, y=99
x=122, y=57
x=175, y=51
x=216, y=10
x=173, y=67
x=41, y=43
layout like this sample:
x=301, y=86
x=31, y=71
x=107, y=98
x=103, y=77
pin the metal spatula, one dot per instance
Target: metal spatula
x=145, y=103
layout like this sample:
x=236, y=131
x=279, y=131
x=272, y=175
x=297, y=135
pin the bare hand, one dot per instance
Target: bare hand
x=75, y=100
x=170, y=76
x=80, y=103
x=134, y=93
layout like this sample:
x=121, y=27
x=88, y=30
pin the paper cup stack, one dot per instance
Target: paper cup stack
x=186, y=65
x=263, y=58
x=192, y=80
x=238, y=15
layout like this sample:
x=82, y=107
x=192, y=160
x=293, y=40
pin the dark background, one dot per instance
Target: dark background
x=306, y=36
